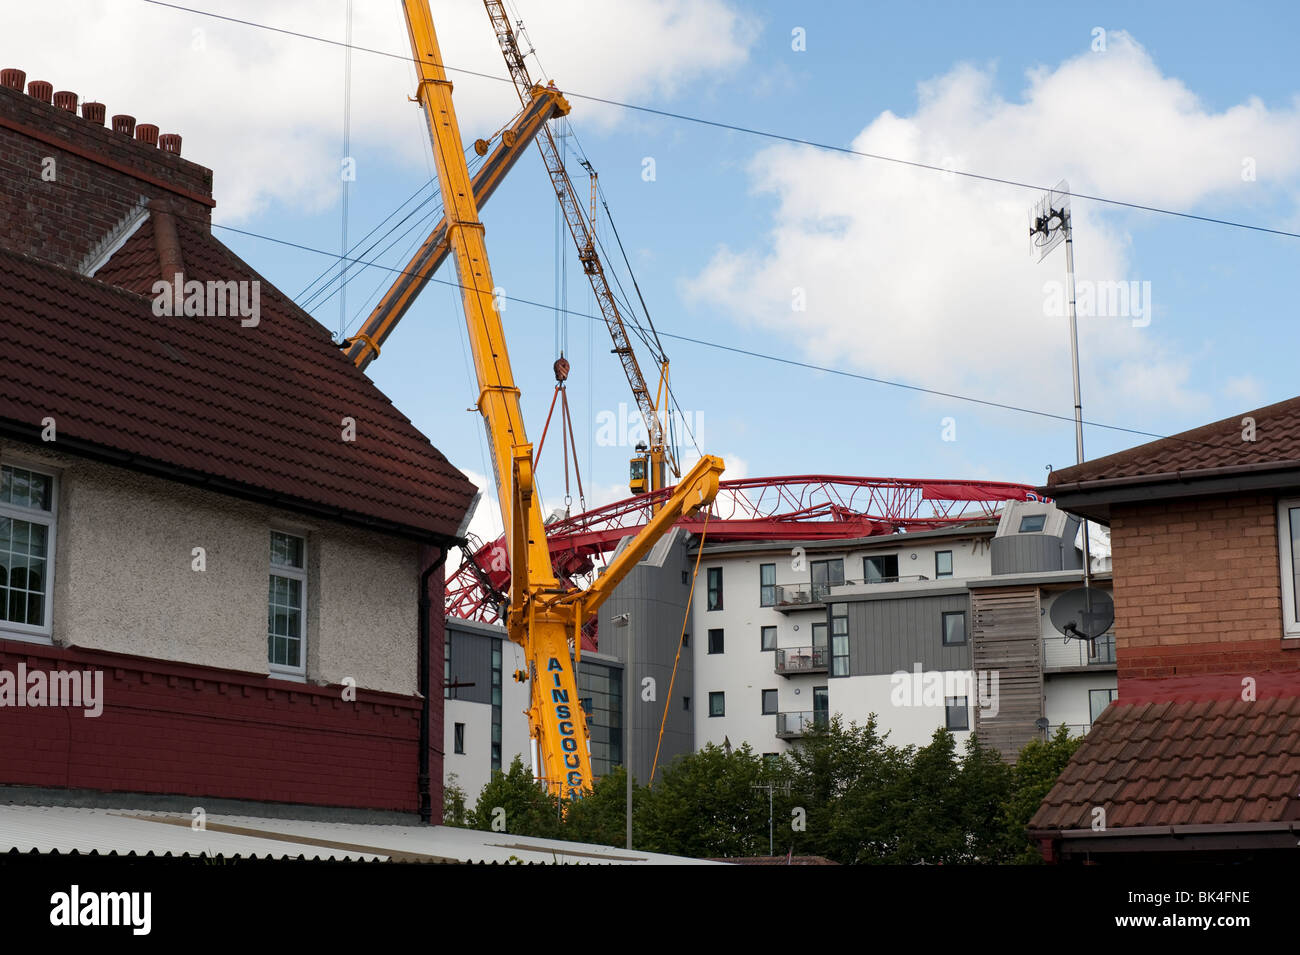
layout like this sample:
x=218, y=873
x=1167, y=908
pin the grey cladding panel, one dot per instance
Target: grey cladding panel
x=890, y=635
x=1034, y=552
x=471, y=662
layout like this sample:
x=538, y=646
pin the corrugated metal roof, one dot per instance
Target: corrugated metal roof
x=66, y=829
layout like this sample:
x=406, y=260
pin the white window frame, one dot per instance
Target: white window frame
x=50, y=519
x=1290, y=625
x=279, y=670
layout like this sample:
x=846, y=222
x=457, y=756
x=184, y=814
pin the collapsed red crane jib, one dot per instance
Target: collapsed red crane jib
x=793, y=508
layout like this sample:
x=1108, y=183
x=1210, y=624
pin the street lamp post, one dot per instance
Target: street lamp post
x=624, y=620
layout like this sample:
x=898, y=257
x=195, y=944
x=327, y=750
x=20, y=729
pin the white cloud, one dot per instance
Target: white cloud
x=1245, y=390
x=913, y=275
x=264, y=110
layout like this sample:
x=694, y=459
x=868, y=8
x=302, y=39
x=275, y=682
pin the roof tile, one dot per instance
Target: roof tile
x=1213, y=766
x=256, y=408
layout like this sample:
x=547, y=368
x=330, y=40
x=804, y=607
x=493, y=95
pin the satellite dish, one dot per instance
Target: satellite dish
x=1083, y=614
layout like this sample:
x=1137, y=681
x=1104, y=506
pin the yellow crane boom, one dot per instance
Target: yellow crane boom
x=543, y=617
x=363, y=347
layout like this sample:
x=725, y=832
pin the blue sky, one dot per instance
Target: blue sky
x=908, y=275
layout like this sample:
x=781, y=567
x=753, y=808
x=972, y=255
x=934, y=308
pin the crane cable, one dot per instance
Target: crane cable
x=668, y=702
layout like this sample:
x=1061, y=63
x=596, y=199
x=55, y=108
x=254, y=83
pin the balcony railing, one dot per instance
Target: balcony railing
x=1071, y=654
x=794, y=725
x=801, y=660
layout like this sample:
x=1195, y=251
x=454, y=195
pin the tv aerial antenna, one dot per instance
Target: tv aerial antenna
x=1050, y=224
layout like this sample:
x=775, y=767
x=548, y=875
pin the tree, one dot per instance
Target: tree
x=455, y=803
x=515, y=800
x=600, y=816
x=845, y=780
x=706, y=807
x=1036, y=770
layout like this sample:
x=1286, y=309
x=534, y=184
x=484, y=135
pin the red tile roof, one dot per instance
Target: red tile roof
x=1169, y=764
x=1217, y=445
x=254, y=410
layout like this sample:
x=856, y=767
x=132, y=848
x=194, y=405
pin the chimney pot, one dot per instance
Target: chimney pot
x=124, y=124
x=93, y=112
x=147, y=133
x=64, y=99
x=14, y=79
x=41, y=90
x=170, y=143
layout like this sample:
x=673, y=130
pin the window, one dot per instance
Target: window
x=769, y=702
x=825, y=575
x=459, y=743
x=819, y=634
x=767, y=585
x=686, y=578
x=942, y=564
x=686, y=639
x=839, y=639
x=495, y=763
x=821, y=706
x=26, y=549
x=715, y=641
x=1288, y=538
x=768, y=637
x=686, y=702
x=717, y=703
x=954, y=628
x=715, y=588
x=447, y=692
x=1102, y=650
x=286, y=614
x=1032, y=523
x=957, y=716
x=881, y=569
x=1098, y=700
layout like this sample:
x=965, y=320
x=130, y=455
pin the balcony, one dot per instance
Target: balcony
x=801, y=597
x=1073, y=656
x=794, y=725
x=815, y=596
x=795, y=660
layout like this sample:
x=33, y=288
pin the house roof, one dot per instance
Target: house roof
x=1212, y=763
x=255, y=411
x=1204, y=450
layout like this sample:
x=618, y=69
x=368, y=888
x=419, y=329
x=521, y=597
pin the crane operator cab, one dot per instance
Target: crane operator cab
x=639, y=471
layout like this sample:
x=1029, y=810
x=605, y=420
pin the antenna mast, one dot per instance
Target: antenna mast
x=1049, y=223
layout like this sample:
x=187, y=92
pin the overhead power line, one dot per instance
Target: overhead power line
x=812, y=366
x=750, y=131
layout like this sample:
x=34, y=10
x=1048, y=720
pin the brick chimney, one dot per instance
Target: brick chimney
x=69, y=182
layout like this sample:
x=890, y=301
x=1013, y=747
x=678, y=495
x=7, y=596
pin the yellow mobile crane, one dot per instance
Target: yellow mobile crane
x=658, y=459
x=543, y=617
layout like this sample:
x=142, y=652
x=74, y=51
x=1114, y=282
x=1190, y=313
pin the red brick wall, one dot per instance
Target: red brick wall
x=1198, y=599
x=203, y=732
x=63, y=220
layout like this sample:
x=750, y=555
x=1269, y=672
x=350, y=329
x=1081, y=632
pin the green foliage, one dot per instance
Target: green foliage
x=844, y=792
x=706, y=806
x=529, y=811
x=455, y=804
x=1039, y=765
x=600, y=817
